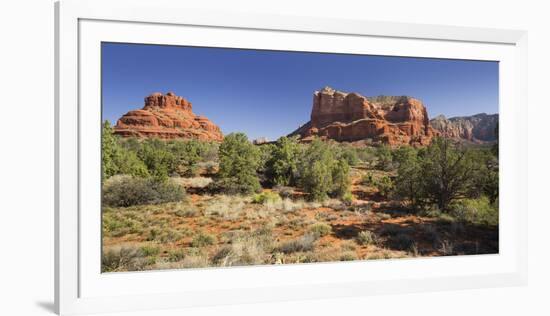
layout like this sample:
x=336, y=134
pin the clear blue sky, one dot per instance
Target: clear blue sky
x=269, y=93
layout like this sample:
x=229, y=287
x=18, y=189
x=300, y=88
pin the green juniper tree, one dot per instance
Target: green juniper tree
x=283, y=164
x=239, y=160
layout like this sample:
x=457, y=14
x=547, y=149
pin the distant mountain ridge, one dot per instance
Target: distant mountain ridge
x=475, y=128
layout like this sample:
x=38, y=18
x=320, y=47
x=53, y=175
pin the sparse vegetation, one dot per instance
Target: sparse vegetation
x=191, y=204
x=366, y=237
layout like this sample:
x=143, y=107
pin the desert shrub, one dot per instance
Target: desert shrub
x=432, y=234
x=150, y=250
x=321, y=174
x=476, y=211
x=129, y=163
x=127, y=191
x=159, y=160
x=403, y=154
x=192, y=152
x=225, y=206
x=286, y=205
x=116, y=224
x=209, y=166
x=410, y=178
x=282, y=165
x=188, y=171
x=367, y=155
x=348, y=245
x=394, y=230
x=384, y=185
x=109, y=148
x=321, y=229
x=304, y=243
x=176, y=255
x=195, y=182
x=486, y=179
x=125, y=258
x=239, y=160
x=116, y=159
x=246, y=248
x=367, y=179
x=317, y=181
x=347, y=198
x=164, y=235
x=446, y=248
x=284, y=192
x=193, y=261
x=349, y=155
x=187, y=212
x=341, y=181
x=443, y=173
x=348, y=256
x=366, y=237
x=202, y=240
x=448, y=172
x=265, y=197
x=316, y=166
x=402, y=241
x=384, y=158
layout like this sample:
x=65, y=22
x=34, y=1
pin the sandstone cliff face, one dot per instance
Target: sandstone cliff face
x=167, y=116
x=476, y=128
x=352, y=117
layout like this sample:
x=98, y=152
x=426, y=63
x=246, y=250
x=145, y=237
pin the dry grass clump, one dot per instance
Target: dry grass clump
x=334, y=204
x=228, y=207
x=403, y=241
x=118, y=224
x=246, y=249
x=393, y=230
x=123, y=258
x=446, y=248
x=348, y=256
x=194, y=182
x=190, y=261
x=302, y=244
x=163, y=234
x=273, y=202
x=348, y=245
x=189, y=211
x=321, y=229
x=202, y=240
x=365, y=237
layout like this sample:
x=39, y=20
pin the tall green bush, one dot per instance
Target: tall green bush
x=239, y=160
x=409, y=183
x=384, y=158
x=109, y=151
x=282, y=166
x=321, y=174
x=448, y=172
x=341, y=181
x=160, y=162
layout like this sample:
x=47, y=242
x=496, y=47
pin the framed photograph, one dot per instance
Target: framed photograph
x=208, y=158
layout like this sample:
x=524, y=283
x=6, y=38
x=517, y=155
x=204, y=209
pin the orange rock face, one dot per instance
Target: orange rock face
x=167, y=116
x=352, y=117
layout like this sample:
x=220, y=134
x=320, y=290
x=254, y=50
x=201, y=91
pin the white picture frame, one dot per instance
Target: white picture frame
x=81, y=288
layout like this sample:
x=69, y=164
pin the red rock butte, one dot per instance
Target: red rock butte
x=167, y=116
x=352, y=117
